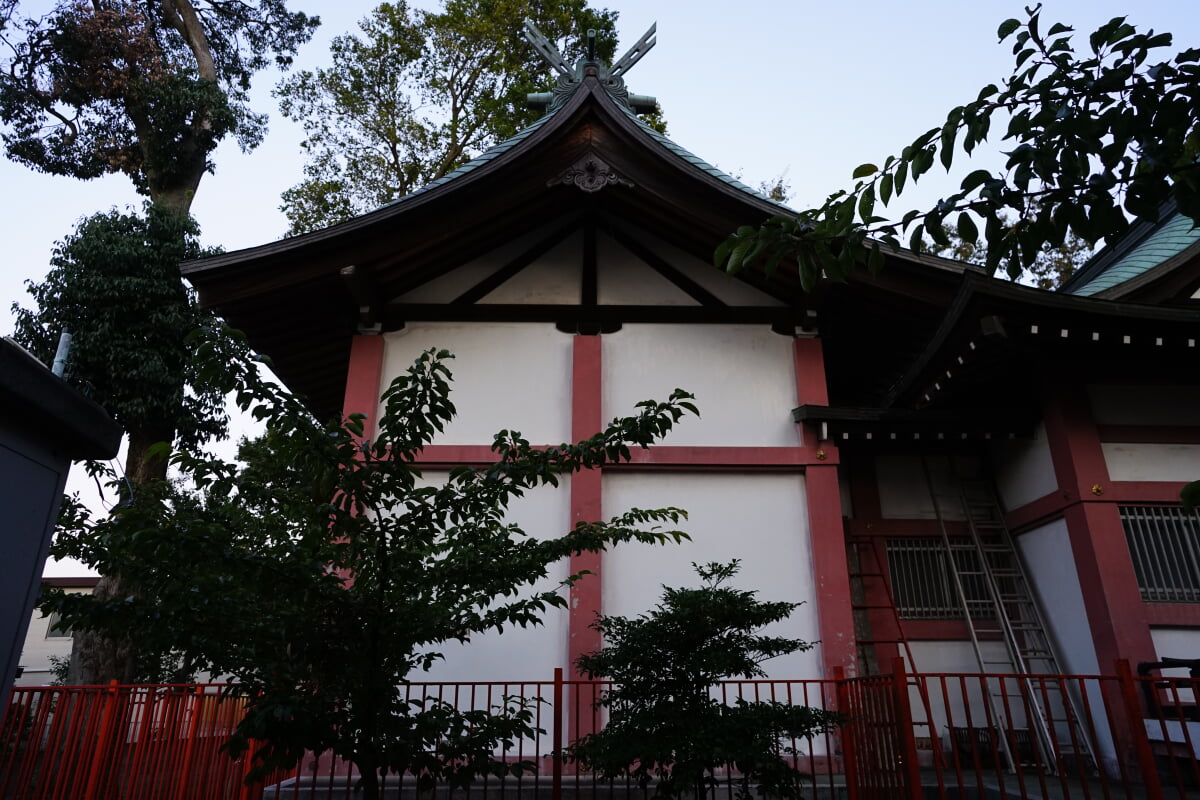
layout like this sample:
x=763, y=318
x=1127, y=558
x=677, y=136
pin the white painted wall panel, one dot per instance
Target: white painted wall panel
x=552, y=279
x=730, y=290
x=1151, y=462
x=1024, y=470
x=519, y=654
x=1177, y=643
x=514, y=376
x=1050, y=564
x=1145, y=405
x=742, y=376
x=955, y=658
x=760, y=519
x=624, y=279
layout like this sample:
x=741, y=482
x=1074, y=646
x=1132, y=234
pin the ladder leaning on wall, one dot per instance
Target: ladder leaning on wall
x=1001, y=606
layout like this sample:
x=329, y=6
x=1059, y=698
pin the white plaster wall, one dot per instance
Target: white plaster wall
x=958, y=697
x=38, y=647
x=904, y=490
x=760, y=519
x=730, y=290
x=1050, y=565
x=514, y=376
x=742, y=376
x=1024, y=469
x=519, y=654
x=1177, y=643
x=552, y=279
x=1151, y=462
x=624, y=279
x=452, y=284
x=1145, y=405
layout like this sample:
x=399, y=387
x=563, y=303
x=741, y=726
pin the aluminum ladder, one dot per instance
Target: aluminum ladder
x=994, y=592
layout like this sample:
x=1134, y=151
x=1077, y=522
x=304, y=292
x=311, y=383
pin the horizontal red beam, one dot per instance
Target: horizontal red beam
x=663, y=457
x=1181, y=614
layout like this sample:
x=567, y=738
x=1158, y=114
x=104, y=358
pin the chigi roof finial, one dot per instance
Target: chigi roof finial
x=611, y=77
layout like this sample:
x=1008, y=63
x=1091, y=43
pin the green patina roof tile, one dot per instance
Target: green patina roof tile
x=1172, y=238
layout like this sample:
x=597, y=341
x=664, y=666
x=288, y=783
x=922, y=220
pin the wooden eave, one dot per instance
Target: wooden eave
x=300, y=300
x=980, y=373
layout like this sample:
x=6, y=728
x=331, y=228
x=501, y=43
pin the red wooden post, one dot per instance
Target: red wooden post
x=557, y=743
x=910, y=769
x=190, y=743
x=849, y=754
x=108, y=723
x=1137, y=731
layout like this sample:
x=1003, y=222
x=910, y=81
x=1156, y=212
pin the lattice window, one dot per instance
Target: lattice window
x=922, y=586
x=1164, y=542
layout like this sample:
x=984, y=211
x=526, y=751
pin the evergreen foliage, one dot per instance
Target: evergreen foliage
x=665, y=723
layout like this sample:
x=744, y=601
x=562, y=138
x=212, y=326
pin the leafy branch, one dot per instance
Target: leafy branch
x=1100, y=135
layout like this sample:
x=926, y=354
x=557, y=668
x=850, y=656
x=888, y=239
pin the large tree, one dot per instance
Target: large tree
x=415, y=93
x=324, y=572
x=1098, y=133
x=146, y=89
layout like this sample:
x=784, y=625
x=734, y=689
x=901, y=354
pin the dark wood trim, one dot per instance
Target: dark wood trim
x=898, y=528
x=590, y=289
x=1149, y=434
x=396, y=315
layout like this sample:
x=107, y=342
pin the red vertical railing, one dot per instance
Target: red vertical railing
x=1122, y=736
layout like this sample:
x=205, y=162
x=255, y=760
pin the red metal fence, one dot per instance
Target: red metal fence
x=906, y=736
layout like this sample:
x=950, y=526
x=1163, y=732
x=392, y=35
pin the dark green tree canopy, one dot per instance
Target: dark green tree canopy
x=416, y=93
x=114, y=285
x=665, y=721
x=1099, y=132
x=144, y=89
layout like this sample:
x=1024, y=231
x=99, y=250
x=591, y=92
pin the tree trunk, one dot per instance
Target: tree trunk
x=96, y=659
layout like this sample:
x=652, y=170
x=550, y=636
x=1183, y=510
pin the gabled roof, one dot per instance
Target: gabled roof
x=300, y=300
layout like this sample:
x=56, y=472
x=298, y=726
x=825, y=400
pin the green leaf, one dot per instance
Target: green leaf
x=967, y=231
x=885, y=188
x=863, y=170
x=866, y=203
x=1006, y=28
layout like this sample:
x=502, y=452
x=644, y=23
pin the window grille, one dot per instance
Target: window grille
x=922, y=586
x=1164, y=543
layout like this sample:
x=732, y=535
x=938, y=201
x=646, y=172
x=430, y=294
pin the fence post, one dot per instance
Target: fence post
x=556, y=755
x=908, y=738
x=190, y=743
x=108, y=722
x=849, y=757
x=1137, y=730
